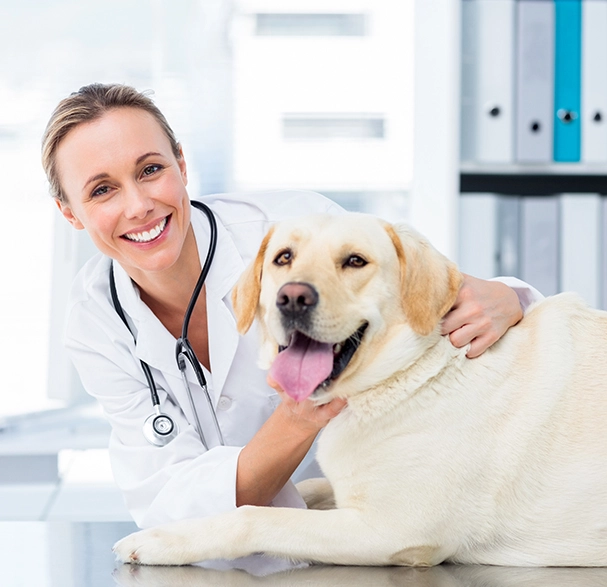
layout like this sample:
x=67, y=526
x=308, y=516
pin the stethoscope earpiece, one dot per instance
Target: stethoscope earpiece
x=159, y=429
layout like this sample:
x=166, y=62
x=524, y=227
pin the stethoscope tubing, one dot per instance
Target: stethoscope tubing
x=183, y=349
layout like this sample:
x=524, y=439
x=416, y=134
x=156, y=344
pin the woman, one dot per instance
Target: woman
x=116, y=170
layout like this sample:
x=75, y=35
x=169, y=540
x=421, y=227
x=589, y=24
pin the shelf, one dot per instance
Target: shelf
x=533, y=180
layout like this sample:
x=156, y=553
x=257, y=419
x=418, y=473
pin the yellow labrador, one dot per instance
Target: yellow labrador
x=496, y=460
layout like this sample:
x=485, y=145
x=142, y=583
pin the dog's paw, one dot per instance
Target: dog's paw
x=156, y=546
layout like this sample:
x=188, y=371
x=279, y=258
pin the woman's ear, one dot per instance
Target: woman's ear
x=182, y=166
x=429, y=281
x=68, y=214
x=245, y=295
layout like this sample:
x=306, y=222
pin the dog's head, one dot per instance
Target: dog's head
x=343, y=301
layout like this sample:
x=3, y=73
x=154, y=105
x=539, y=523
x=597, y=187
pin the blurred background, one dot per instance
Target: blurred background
x=261, y=95
x=408, y=109
x=385, y=106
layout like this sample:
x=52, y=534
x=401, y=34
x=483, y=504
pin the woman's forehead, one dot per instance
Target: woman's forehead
x=120, y=137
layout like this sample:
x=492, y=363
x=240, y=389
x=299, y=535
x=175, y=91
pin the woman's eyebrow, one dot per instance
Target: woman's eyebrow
x=144, y=156
x=94, y=178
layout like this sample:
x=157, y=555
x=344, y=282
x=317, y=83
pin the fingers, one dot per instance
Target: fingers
x=482, y=313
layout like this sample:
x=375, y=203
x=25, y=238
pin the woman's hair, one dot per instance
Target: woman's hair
x=87, y=104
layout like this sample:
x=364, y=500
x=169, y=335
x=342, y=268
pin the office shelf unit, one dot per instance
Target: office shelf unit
x=529, y=208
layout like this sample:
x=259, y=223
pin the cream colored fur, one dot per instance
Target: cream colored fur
x=498, y=460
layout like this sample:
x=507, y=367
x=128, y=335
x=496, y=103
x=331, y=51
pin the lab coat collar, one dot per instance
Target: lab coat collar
x=156, y=345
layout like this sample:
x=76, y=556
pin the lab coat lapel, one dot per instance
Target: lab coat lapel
x=155, y=344
x=225, y=270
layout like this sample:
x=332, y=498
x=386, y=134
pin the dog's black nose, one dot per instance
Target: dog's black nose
x=293, y=299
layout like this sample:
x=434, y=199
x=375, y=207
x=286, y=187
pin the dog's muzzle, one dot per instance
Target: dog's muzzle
x=296, y=302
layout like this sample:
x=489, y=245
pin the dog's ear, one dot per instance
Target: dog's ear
x=245, y=295
x=429, y=281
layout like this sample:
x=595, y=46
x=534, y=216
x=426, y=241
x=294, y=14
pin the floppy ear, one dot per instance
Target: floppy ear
x=429, y=281
x=245, y=295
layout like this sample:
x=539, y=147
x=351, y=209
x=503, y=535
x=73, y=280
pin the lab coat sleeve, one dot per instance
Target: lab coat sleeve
x=527, y=294
x=174, y=482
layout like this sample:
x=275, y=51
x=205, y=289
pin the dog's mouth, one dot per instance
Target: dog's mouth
x=305, y=365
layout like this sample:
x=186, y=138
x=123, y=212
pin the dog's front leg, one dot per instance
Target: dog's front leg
x=340, y=536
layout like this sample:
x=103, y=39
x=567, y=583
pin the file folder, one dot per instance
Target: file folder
x=567, y=80
x=509, y=236
x=488, y=81
x=478, y=234
x=540, y=243
x=581, y=245
x=594, y=81
x=535, y=81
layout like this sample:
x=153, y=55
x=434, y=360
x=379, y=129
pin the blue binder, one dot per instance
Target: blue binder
x=567, y=80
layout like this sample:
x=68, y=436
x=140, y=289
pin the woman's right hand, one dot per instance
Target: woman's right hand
x=306, y=416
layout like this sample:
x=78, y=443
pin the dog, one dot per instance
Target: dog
x=499, y=460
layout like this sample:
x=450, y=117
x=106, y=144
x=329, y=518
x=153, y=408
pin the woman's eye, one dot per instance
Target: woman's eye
x=355, y=261
x=100, y=191
x=151, y=169
x=283, y=258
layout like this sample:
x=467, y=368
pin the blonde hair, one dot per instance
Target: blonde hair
x=87, y=104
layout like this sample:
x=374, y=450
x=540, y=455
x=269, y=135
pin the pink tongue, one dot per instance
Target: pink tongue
x=302, y=366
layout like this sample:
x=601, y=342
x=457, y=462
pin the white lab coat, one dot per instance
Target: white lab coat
x=182, y=479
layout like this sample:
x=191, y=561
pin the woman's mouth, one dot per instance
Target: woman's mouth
x=147, y=236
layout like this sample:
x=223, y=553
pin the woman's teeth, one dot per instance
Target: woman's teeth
x=148, y=235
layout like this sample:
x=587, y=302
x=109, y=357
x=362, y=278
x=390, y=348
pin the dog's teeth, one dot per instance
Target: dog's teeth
x=337, y=348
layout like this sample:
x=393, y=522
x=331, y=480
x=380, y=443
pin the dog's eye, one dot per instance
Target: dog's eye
x=355, y=261
x=283, y=258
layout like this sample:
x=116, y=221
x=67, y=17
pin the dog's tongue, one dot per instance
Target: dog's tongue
x=302, y=366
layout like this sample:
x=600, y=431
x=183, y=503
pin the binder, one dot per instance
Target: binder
x=509, y=236
x=567, y=80
x=540, y=243
x=478, y=234
x=488, y=81
x=603, y=282
x=594, y=81
x=581, y=245
x=535, y=81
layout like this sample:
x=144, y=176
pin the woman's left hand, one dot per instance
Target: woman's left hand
x=481, y=315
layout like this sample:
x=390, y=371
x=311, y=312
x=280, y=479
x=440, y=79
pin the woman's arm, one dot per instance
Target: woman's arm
x=267, y=462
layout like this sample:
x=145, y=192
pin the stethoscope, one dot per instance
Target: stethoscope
x=159, y=428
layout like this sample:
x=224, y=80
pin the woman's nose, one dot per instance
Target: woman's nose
x=137, y=202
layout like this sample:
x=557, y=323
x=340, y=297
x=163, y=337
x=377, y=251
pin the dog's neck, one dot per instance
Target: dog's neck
x=428, y=370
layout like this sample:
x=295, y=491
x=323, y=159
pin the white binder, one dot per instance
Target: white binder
x=508, y=223
x=535, y=81
x=581, y=245
x=488, y=29
x=594, y=81
x=540, y=243
x=478, y=235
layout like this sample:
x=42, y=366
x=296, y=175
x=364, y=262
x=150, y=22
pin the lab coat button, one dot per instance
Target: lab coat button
x=224, y=403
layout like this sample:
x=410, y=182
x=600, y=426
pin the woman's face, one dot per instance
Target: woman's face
x=125, y=186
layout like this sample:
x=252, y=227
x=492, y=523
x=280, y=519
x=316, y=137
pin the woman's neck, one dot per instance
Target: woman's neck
x=168, y=292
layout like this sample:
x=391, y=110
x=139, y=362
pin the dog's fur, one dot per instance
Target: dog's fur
x=499, y=460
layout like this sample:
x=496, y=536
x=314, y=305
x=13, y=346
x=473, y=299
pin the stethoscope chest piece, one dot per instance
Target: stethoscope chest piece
x=159, y=429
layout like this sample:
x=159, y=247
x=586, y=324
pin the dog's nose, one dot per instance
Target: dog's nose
x=296, y=298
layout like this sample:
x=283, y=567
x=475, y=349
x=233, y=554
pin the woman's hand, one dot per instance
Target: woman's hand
x=267, y=462
x=481, y=315
x=306, y=416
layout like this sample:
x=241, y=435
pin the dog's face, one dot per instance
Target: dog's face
x=335, y=297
